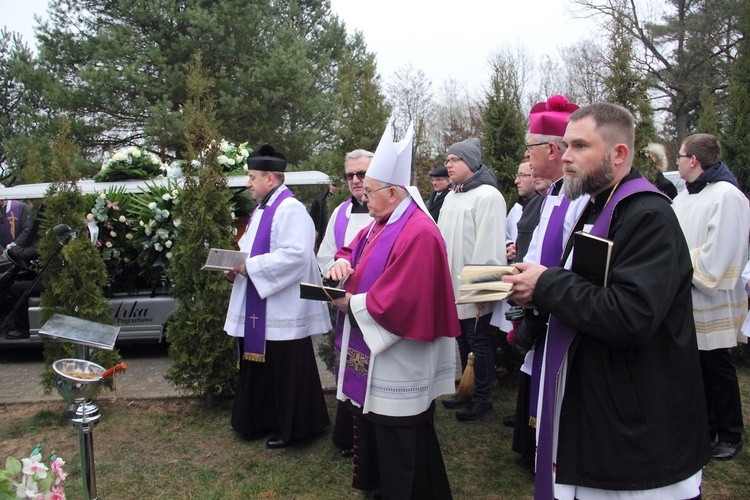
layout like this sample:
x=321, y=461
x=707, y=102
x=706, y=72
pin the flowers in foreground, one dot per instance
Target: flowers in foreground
x=31, y=478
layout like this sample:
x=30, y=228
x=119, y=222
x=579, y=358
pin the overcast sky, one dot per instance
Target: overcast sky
x=444, y=38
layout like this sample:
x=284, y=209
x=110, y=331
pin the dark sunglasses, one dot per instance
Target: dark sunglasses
x=360, y=175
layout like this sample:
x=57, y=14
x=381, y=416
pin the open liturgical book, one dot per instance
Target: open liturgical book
x=484, y=283
x=223, y=260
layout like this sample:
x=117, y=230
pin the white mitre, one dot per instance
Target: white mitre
x=392, y=162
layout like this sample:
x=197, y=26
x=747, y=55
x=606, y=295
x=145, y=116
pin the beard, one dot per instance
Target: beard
x=589, y=182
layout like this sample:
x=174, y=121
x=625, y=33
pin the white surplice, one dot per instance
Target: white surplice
x=277, y=275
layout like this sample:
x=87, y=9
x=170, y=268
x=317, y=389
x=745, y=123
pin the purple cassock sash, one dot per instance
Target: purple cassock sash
x=12, y=220
x=552, y=250
x=255, y=307
x=559, y=338
x=358, y=354
x=339, y=226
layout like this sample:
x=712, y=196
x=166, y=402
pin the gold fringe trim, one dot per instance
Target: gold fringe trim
x=532, y=422
x=250, y=356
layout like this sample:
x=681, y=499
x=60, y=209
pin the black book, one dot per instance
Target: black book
x=316, y=292
x=591, y=256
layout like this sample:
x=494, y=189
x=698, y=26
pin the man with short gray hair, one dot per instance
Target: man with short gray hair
x=349, y=217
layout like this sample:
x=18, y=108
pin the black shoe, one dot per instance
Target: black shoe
x=726, y=451
x=16, y=335
x=346, y=452
x=456, y=401
x=276, y=442
x=473, y=411
x=509, y=421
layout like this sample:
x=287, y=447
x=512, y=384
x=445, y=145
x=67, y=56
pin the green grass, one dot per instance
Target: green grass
x=178, y=449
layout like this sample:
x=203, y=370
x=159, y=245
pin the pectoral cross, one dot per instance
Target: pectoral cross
x=12, y=221
x=254, y=317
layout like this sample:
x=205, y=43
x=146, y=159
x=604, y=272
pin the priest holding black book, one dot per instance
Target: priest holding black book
x=397, y=323
x=621, y=407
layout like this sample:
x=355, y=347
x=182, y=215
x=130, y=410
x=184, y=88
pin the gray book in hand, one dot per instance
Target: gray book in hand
x=223, y=260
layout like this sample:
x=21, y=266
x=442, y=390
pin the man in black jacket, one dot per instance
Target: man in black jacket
x=622, y=405
x=441, y=184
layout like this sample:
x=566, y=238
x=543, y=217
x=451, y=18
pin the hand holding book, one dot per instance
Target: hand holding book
x=483, y=283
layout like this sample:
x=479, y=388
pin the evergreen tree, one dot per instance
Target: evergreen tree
x=118, y=67
x=736, y=138
x=204, y=359
x=629, y=88
x=74, y=282
x=708, y=120
x=504, y=124
x=362, y=110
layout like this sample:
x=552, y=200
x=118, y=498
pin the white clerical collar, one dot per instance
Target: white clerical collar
x=399, y=211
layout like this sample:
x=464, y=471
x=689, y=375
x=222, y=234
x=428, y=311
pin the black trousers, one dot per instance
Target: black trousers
x=343, y=427
x=722, y=396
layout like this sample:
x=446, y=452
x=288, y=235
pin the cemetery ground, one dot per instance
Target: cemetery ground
x=177, y=448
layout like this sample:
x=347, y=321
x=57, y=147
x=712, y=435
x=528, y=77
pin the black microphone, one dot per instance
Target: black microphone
x=63, y=233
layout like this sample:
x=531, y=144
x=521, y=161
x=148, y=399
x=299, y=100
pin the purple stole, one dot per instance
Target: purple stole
x=255, y=307
x=357, y=363
x=339, y=226
x=12, y=220
x=552, y=250
x=559, y=338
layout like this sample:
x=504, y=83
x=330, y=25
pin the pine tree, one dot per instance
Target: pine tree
x=204, y=359
x=73, y=282
x=362, y=110
x=629, y=88
x=736, y=139
x=504, y=123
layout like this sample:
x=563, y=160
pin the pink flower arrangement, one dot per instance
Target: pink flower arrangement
x=31, y=478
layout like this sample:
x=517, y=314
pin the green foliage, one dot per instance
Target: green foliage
x=629, y=88
x=117, y=69
x=708, y=120
x=204, y=360
x=362, y=110
x=74, y=275
x=504, y=124
x=736, y=138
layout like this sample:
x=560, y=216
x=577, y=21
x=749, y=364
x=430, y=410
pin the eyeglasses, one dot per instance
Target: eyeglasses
x=360, y=175
x=523, y=176
x=367, y=193
x=453, y=160
x=677, y=157
x=529, y=146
